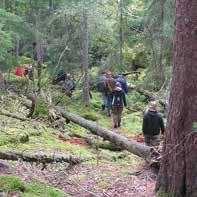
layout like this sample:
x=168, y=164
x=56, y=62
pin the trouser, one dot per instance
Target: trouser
x=117, y=112
x=152, y=140
x=109, y=103
x=104, y=99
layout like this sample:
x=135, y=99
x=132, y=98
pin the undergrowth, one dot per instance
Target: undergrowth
x=10, y=184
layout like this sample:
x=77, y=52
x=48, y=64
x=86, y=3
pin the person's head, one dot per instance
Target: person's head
x=118, y=86
x=120, y=75
x=109, y=74
x=68, y=76
x=153, y=106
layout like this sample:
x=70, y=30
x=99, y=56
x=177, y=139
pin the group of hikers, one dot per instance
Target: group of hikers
x=113, y=89
x=61, y=77
x=26, y=70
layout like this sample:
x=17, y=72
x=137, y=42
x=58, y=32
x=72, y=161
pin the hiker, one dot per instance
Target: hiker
x=109, y=85
x=69, y=86
x=152, y=125
x=19, y=71
x=60, y=77
x=29, y=72
x=118, y=102
x=102, y=89
x=121, y=79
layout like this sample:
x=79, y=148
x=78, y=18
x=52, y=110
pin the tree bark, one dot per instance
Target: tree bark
x=178, y=171
x=121, y=141
x=40, y=157
x=85, y=59
x=121, y=33
x=13, y=116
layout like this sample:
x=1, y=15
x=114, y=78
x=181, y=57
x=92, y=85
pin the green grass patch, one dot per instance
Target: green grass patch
x=13, y=184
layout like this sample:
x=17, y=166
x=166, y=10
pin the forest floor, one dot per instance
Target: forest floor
x=88, y=180
x=108, y=173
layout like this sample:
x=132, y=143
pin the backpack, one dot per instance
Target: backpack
x=117, y=100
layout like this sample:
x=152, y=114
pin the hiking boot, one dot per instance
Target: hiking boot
x=109, y=115
x=115, y=126
x=119, y=125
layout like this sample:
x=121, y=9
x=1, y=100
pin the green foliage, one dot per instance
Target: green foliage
x=13, y=184
x=41, y=108
x=164, y=194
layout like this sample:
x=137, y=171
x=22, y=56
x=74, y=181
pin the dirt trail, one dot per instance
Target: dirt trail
x=88, y=180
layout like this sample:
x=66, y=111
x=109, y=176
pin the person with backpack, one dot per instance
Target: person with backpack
x=69, y=86
x=109, y=85
x=153, y=124
x=118, y=102
x=121, y=79
x=102, y=89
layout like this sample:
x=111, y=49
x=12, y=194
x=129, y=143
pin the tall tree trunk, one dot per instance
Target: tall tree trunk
x=39, y=55
x=85, y=59
x=121, y=33
x=178, y=172
x=161, y=66
x=39, y=61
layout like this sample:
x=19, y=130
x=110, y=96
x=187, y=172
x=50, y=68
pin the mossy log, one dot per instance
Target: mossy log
x=130, y=145
x=41, y=157
x=11, y=115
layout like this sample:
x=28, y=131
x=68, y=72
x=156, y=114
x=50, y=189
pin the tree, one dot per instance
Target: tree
x=178, y=170
x=85, y=59
x=120, y=32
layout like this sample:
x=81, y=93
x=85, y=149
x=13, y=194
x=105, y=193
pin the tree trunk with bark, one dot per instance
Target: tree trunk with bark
x=178, y=172
x=121, y=141
x=41, y=157
x=121, y=33
x=85, y=59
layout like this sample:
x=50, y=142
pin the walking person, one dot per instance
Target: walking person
x=121, y=79
x=118, y=102
x=110, y=85
x=153, y=125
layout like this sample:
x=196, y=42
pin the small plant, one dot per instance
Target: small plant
x=41, y=108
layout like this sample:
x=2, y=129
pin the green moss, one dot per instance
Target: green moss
x=11, y=183
x=41, y=108
x=89, y=116
x=14, y=184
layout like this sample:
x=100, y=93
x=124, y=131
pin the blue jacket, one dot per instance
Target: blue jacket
x=123, y=83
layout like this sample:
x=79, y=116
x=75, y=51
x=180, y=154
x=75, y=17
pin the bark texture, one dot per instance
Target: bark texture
x=13, y=116
x=178, y=172
x=85, y=59
x=40, y=157
x=121, y=141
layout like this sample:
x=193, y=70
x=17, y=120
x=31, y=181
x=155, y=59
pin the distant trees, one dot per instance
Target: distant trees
x=177, y=176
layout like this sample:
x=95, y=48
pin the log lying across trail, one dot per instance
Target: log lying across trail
x=132, y=146
x=13, y=116
x=41, y=157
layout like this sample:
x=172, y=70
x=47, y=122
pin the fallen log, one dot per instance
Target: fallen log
x=41, y=157
x=13, y=116
x=132, y=146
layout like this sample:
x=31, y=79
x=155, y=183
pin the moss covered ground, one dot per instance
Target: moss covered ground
x=40, y=135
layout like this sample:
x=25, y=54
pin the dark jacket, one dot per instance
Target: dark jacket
x=118, y=98
x=101, y=84
x=152, y=123
x=123, y=83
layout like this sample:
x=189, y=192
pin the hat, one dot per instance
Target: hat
x=153, y=106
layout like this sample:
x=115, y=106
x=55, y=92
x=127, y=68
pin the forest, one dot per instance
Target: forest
x=98, y=98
